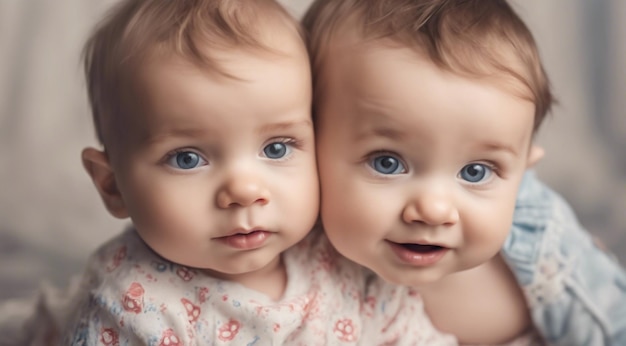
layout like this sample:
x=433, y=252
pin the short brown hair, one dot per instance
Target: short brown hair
x=475, y=37
x=136, y=29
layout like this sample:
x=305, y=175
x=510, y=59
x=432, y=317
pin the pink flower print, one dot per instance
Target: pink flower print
x=369, y=306
x=117, y=259
x=185, y=273
x=193, y=311
x=311, y=306
x=276, y=327
x=168, y=338
x=109, y=337
x=202, y=293
x=228, y=331
x=344, y=330
x=133, y=298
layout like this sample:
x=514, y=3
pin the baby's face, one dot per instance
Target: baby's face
x=419, y=167
x=220, y=172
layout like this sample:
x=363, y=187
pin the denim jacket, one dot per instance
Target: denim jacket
x=576, y=292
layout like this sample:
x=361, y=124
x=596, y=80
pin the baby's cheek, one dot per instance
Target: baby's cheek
x=488, y=226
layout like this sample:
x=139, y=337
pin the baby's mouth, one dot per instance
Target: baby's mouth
x=246, y=240
x=419, y=248
x=418, y=255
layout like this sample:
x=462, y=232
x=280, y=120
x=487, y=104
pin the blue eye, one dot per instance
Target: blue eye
x=276, y=150
x=387, y=164
x=475, y=172
x=186, y=160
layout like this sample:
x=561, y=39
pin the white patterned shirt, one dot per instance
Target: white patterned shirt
x=133, y=296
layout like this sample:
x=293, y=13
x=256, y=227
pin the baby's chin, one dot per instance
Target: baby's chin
x=411, y=279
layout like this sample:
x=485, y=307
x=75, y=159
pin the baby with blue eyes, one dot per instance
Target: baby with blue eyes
x=203, y=111
x=425, y=115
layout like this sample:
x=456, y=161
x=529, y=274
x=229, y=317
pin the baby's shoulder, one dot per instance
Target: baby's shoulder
x=131, y=294
x=126, y=267
x=125, y=255
x=561, y=270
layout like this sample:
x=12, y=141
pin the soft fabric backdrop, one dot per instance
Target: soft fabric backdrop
x=51, y=217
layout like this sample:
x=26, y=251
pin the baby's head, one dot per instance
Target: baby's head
x=203, y=110
x=425, y=113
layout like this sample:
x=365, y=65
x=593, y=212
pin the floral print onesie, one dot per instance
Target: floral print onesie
x=131, y=296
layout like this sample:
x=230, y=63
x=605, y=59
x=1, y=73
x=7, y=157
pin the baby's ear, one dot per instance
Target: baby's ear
x=98, y=167
x=535, y=154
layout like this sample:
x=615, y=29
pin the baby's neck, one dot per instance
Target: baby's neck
x=460, y=279
x=270, y=280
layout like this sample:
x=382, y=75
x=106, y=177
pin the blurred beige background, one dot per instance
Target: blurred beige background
x=51, y=217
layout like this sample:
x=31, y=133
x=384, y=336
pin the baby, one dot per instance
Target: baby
x=425, y=117
x=203, y=109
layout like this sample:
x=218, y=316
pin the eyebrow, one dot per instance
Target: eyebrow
x=285, y=126
x=381, y=131
x=379, y=126
x=399, y=135
x=495, y=146
x=193, y=132
x=196, y=132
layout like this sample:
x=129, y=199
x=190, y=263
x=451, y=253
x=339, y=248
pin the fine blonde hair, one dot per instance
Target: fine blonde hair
x=134, y=30
x=472, y=37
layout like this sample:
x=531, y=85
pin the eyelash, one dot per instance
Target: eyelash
x=296, y=143
x=182, y=150
x=172, y=154
x=494, y=168
x=369, y=157
x=491, y=165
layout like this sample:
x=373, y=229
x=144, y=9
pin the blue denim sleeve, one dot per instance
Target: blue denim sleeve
x=576, y=291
